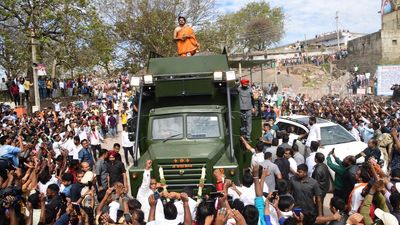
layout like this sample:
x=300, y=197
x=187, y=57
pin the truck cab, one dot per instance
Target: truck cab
x=188, y=123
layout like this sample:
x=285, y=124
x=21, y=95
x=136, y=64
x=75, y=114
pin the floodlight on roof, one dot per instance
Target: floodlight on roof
x=135, y=81
x=148, y=79
x=230, y=75
x=218, y=76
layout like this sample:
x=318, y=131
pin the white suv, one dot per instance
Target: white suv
x=333, y=135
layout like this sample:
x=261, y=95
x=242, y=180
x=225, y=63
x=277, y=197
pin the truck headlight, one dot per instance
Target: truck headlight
x=134, y=175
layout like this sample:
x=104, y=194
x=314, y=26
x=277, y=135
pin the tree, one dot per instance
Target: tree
x=14, y=52
x=144, y=26
x=65, y=30
x=255, y=27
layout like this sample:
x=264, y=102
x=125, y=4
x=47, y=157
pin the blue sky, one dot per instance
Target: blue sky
x=311, y=17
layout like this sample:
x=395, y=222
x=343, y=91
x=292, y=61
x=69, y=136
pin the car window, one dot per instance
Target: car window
x=300, y=131
x=334, y=135
x=283, y=126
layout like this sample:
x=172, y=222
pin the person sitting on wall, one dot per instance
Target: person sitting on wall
x=185, y=39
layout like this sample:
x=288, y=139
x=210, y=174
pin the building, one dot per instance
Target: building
x=379, y=48
x=331, y=39
x=326, y=41
x=322, y=44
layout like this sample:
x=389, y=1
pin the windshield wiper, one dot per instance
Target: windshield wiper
x=170, y=137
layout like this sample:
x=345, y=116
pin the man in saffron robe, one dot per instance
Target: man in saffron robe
x=185, y=39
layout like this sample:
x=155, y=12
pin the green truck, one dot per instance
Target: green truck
x=189, y=122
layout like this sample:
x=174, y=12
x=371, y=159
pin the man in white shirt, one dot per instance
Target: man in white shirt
x=258, y=155
x=354, y=132
x=147, y=188
x=67, y=143
x=127, y=145
x=170, y=215
x=57, y=105
x=57, y=144
x=310, y=161
x=314, y=134
x=61, y=84
x=246, y=193
x=74, y=148
x=21, y=89
x=95, y=139
x=82, y=132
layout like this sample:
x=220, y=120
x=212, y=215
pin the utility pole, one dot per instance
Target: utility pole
x=34, y=65
x=337, y=30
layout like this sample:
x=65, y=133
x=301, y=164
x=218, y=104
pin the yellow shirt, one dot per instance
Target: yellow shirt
x=49, y=84
x=96, y=112
x=124, y=118
x=27, y=85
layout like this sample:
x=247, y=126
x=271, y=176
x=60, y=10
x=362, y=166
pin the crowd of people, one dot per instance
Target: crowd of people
x=54, y=169
x=18, y=90
x=358, y=81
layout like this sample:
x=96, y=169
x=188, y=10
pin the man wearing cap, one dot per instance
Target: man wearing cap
x=116, y=171
x=247, y=109
x=185, y=39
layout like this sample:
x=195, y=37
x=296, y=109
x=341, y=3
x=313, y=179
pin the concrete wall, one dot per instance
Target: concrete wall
x=382, y=47
x=391, y=46
x=365, y=51
x=366, y=45
x=391, y=38
x=391, y=21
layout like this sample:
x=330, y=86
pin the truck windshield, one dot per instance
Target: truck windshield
x=202, y=127
x=169, y=127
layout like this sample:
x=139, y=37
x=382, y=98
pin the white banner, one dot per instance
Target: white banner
x=387, y=76
x=41, y=70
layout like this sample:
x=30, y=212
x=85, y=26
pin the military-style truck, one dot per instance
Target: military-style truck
x=188, y=122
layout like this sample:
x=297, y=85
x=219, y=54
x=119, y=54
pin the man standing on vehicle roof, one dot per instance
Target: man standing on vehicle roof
x=185, y=39
x=247, y=108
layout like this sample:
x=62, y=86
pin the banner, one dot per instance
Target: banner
x=387, y=76
x=41, y=70
x=389, y=6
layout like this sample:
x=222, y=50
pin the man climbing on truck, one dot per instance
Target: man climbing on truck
x=185, y=39
x=247, y=108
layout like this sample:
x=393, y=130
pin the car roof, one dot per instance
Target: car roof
x=303, y=120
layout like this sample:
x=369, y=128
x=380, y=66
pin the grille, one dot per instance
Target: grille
x=177, y=175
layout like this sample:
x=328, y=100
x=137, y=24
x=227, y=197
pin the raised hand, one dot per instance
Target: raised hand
x=222, y=217
x=152, y=201
x=148, y=164
x=184, y=197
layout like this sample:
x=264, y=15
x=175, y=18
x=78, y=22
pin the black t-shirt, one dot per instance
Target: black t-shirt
x=75, y=191
x=115, y=171
x=284, y=167
x=350, y=180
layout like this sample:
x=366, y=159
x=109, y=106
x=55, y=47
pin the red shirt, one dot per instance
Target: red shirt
x=14, y=90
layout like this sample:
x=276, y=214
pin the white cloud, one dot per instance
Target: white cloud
x=311, y=17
